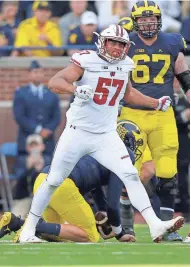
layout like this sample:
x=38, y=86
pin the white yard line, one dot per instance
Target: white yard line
x=9, y=242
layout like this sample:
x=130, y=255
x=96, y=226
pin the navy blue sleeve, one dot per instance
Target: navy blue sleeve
x=46, y=169
x=179, y=43
x=28, y=125
x=99, y=198
x=56, y=116
x=182, y=43
x=115, y=186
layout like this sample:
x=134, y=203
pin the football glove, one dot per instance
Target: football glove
x=164, y=103
x=84, y=92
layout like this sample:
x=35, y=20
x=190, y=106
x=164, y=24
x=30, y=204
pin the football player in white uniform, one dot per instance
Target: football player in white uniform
x=101, y=81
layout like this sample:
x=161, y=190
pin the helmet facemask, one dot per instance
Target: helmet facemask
x=151, y=28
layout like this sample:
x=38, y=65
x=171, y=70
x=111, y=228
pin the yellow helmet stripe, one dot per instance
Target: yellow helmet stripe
x=146, y=3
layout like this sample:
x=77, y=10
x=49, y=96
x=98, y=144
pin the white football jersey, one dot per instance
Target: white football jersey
x=109, y=81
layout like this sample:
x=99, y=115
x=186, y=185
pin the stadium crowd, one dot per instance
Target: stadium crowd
x=57, y=23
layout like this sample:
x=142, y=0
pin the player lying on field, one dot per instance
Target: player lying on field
x=68, y=205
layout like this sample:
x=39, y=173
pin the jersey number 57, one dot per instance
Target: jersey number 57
x=101, y=92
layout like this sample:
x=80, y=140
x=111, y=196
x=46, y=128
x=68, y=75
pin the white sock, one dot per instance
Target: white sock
x=140, y=200
x=39, y=203
x=31, y=222
x=150, y=217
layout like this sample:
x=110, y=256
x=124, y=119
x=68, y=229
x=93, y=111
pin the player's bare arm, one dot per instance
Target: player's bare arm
x=181, y=64
x=182, y=72
x=62, y=81
x=133, y=96
x=73, y=233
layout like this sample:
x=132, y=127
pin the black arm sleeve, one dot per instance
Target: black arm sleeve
x=184, y=80
x=115, y=186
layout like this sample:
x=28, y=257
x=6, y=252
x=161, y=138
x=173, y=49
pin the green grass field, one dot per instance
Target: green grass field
x=142, y=253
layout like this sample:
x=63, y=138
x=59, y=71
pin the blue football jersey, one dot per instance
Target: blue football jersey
x=154, y=72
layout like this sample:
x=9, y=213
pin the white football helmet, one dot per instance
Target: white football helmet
x=113, y=32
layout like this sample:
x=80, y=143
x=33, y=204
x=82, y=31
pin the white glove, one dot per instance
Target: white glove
x=164, y=103
x=84, y=92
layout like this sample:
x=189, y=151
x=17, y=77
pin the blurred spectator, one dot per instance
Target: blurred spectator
x=38, y=31
x=185, y=8
x=182, y=112
x=6, y=38
x=35, y=148
x=37, y=113
x=171, y=13
x=185, y=31
x=83, y=34
x=110, y=12
x=59, y=9
x=36, y=110
x=25, y=9
x=72, y=19
x=9, y=15
x=27, y=168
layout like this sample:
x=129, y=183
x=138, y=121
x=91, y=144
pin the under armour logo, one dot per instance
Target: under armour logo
x=112, y=73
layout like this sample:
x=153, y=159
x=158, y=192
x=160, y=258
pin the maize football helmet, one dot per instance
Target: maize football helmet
x=126, y=23
x=142, y=9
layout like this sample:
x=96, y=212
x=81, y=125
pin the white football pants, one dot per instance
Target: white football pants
x=107, y=148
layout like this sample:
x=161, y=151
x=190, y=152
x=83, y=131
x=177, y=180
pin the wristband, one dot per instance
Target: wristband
x=120, y=234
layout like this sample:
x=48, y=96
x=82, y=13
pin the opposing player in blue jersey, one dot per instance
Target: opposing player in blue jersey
x=159, y=58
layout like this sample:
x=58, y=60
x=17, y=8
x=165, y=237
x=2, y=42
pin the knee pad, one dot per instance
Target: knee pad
x=166, y=166
x=166, y=187
x=56, y=178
